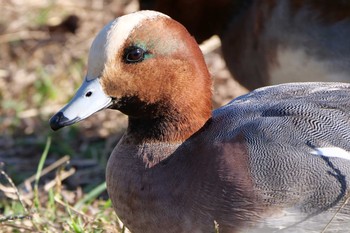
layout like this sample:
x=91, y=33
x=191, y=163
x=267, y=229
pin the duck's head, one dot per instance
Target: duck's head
x=147, y=66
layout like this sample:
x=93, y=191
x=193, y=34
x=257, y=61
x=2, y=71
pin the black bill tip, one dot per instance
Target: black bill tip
x=58, y=121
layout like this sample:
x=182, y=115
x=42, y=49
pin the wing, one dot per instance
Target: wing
x=298, y=139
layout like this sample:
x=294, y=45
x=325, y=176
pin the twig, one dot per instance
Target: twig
x=15, y=217
x=46, y=170
x=7, y=189
x=73, y=209
x=15, y=189
x=23, y=35
x=210, y=45
x=28, y=229
x=335, y=214
x=64, y=175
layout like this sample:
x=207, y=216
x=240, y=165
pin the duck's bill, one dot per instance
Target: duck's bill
x=90, y=98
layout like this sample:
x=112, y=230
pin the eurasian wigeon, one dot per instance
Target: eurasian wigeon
x=276, y=159
x=271, y=42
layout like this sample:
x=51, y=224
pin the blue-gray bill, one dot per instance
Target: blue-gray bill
x=89, y=98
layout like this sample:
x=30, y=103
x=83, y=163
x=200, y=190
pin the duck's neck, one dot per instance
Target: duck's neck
x=172, y=127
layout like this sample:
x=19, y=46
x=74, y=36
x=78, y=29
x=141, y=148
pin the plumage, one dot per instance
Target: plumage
x=262, y=163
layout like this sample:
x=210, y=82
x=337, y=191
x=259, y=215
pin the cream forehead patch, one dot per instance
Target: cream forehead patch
x=112, y=37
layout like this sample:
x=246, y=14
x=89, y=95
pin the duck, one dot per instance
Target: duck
x=271, y=42
x=276, y=159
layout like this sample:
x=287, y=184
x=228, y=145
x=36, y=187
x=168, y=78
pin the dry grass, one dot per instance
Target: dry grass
x=42, y=62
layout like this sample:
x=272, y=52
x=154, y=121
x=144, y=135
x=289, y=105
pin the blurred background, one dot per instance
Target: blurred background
x=43, y=52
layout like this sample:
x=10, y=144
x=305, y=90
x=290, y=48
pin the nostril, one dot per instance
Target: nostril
x=88, y=94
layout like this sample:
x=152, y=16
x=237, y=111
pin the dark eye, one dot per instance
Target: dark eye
x=134, y=54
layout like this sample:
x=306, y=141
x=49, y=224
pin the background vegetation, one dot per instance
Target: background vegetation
x=54, y=181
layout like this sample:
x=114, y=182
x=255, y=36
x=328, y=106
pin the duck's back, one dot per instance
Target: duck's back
x=297, y=141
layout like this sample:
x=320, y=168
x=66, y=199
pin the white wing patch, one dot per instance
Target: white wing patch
x=335, y=152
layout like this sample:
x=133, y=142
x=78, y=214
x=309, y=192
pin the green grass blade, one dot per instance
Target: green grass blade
x=91, y=195
x=38, y=172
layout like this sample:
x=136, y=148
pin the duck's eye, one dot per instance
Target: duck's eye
x=134, y=54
